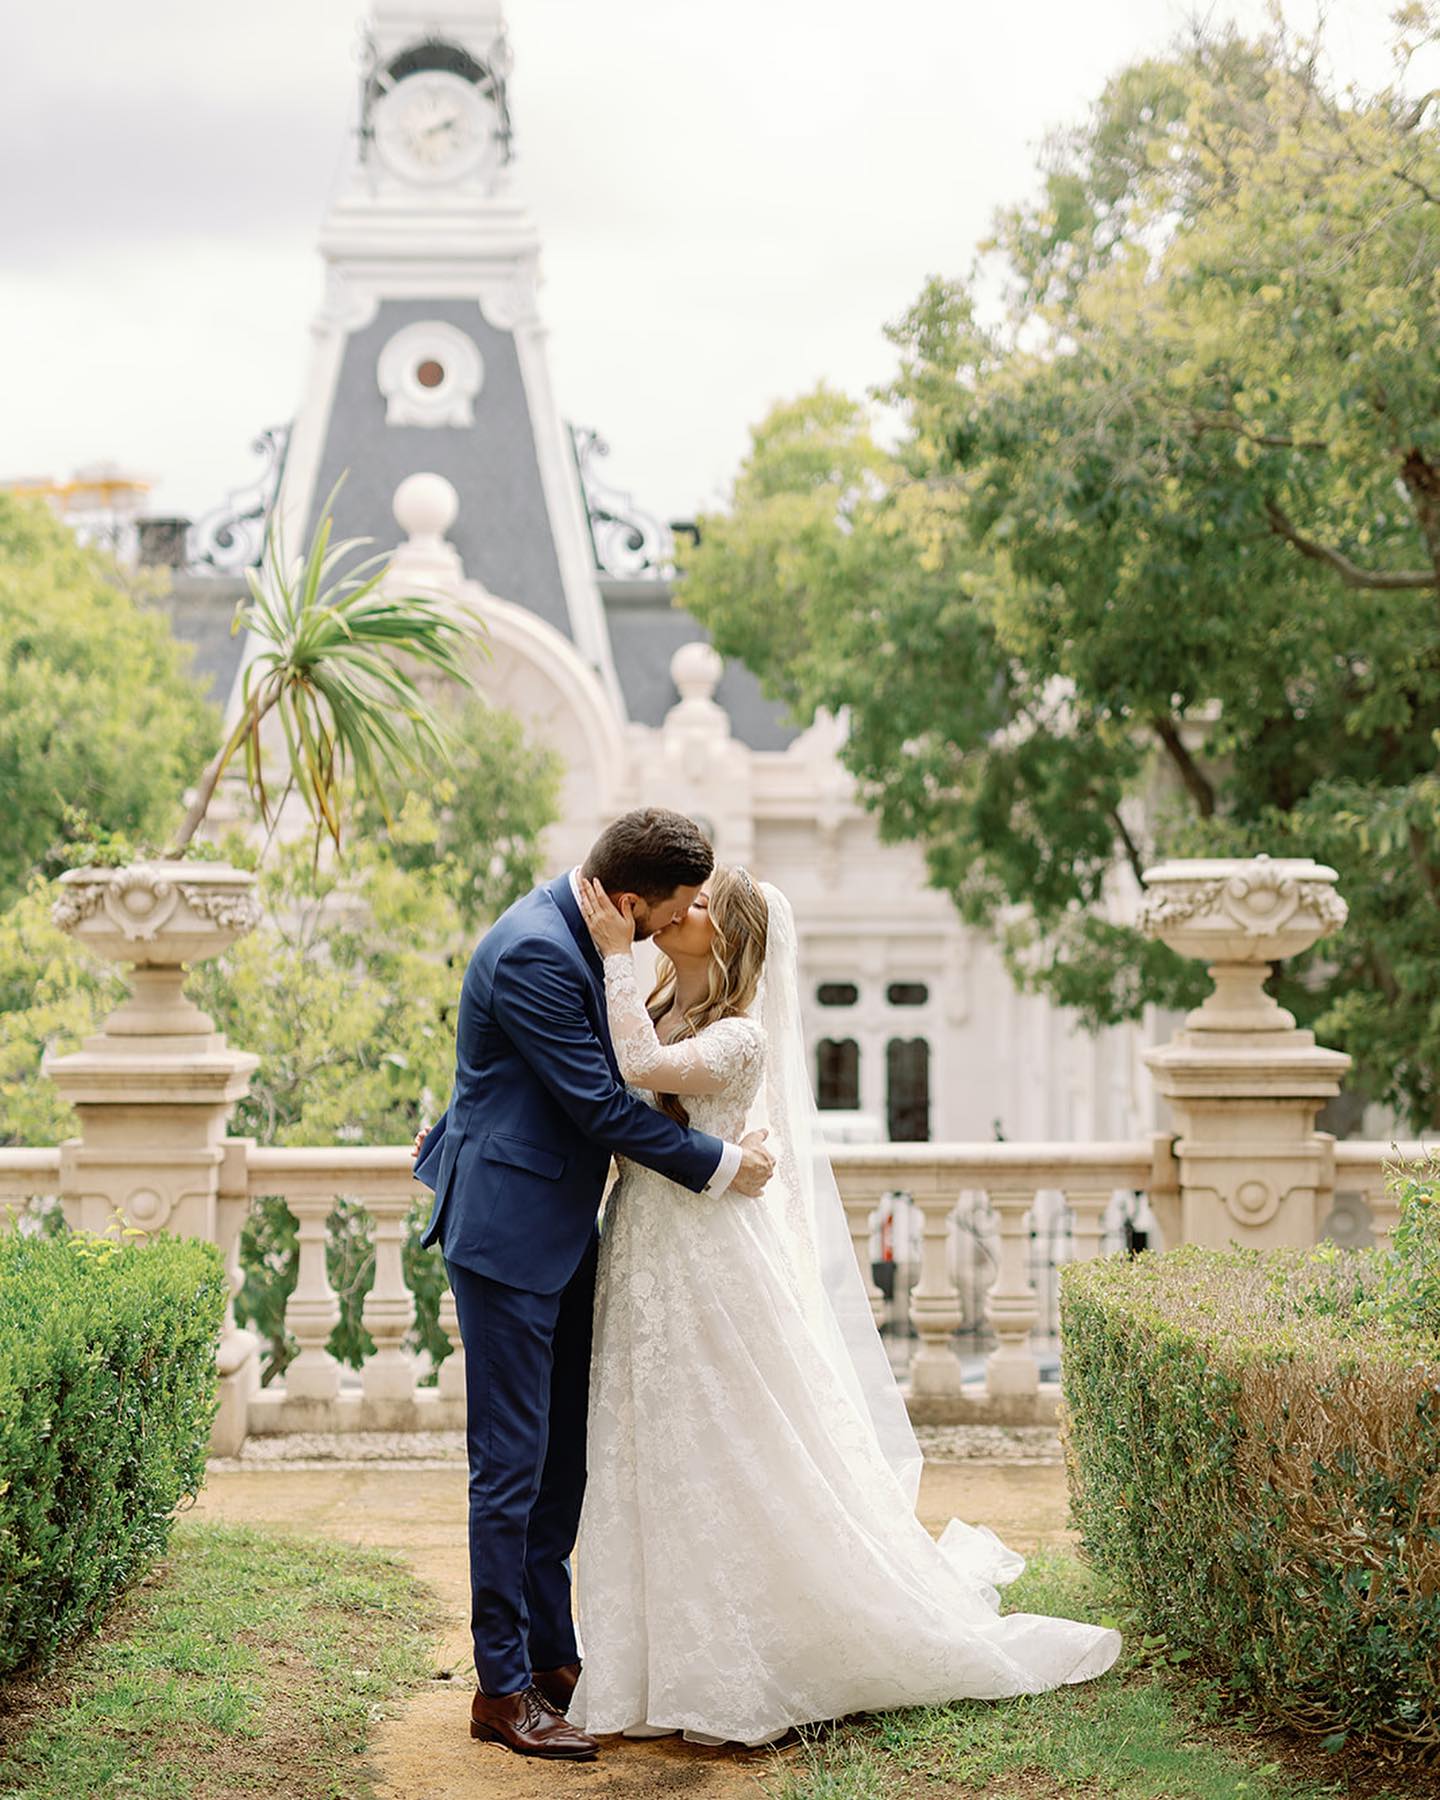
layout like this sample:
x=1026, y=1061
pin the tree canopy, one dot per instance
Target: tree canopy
x=1151, y=563
x=98, y=711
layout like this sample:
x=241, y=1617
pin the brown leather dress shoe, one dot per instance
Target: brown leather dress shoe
x=558, y=1685
x=529, y=1725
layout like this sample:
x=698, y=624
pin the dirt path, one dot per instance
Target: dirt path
x=426, y=1753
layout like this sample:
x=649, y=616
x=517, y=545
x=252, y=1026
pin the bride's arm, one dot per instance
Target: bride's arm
x=667, y=1068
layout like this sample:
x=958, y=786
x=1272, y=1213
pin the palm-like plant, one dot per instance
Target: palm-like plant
x=329, y=668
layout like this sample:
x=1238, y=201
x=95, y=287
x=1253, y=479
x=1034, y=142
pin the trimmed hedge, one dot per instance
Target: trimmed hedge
x=107, y=1391
x=1254, y=1457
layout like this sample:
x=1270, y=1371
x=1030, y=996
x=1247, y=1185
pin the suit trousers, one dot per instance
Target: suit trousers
x=527, y=1377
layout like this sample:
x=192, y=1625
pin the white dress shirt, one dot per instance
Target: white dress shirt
x=730, y=1154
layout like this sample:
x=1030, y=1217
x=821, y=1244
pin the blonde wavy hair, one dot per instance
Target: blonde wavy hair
x=740, y=921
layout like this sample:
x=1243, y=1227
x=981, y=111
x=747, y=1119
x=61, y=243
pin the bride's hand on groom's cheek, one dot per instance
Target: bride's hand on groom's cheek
x=611, y=926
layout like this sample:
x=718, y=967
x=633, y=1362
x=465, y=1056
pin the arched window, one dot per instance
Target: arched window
x=907, y=1090
x=837, y=1074
x=837, y=993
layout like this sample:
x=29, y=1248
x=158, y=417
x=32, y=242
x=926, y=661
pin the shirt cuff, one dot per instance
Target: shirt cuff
x=725, y=1171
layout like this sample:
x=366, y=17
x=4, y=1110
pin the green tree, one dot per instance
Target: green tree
x=491, y=807
x=97, y=710
x=345, y=993
x=1154, y=565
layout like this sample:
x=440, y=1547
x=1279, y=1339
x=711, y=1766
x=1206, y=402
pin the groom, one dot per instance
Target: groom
x=518, y=1163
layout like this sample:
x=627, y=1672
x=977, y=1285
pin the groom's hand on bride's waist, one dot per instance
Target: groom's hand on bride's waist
x=756, y=1166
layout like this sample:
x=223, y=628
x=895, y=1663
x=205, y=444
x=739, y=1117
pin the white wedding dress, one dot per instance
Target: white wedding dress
x=748, y=1558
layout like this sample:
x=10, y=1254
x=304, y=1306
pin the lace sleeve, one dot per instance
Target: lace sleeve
x=700, y=1065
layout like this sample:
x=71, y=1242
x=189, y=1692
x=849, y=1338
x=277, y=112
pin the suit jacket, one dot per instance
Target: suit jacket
x=519, y=1157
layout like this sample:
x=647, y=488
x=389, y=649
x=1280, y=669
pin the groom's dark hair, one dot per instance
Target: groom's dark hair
x=650, y=853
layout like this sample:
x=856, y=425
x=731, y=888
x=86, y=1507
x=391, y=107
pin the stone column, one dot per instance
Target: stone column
x=155, y=1088
x=1244, y=1084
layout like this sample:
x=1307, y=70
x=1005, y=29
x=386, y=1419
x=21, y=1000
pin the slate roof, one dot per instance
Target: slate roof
x=200, y=609
x=646, y=629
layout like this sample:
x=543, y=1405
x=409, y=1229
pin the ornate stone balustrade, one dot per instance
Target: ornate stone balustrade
x=1359, y=1168
x=935, y=1176
x=317, y=1394
x=314, y=1394
x=154, y=1091
x=27, y=1175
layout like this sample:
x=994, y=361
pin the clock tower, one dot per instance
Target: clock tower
x=428, y=353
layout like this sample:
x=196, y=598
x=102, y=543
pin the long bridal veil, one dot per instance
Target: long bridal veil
x=832, y=1289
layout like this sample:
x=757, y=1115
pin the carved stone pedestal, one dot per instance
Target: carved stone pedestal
x=155, y=1088
x=1243, y=1082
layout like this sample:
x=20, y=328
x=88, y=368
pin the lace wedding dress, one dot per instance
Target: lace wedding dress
x=748, y=1558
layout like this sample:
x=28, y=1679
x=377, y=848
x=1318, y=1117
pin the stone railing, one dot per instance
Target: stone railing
x=933, y=1177
x=27, y=1175
x=1359, y=1168
x=315, y=1394
x=318, y=1393
x=1243, y=1162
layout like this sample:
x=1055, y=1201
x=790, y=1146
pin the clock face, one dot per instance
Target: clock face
x=435, y=126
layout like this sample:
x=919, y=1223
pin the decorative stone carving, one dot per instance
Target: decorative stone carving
x=1240, y=916
x=155, y=1088
x=75, y=904
x=1260, y=897
x=1243, y=1083
x=509, y=300
x=430, y=373
x=162, y=913
x=232, y=912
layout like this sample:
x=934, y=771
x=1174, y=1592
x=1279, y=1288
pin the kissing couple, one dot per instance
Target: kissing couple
x=748, y=1553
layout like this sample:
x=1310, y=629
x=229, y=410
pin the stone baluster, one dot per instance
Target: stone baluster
x=935, y=1310
x=859, y=1210
x=314, y=1308
x=451, y=1384
x=1087, y=1213
x=388, y=1310
x=1011, y=1306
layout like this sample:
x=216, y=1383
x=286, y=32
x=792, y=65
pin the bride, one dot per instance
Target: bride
x=749, y=1555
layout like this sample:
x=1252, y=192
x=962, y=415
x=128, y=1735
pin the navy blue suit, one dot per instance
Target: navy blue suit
x=518, y=1163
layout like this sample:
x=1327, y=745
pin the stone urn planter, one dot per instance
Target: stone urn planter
x=160, y=917
x=1243, y=1082
x=1240, y=916
x=155, y=1087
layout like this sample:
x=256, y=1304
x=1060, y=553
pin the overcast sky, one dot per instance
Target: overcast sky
x=733, y=199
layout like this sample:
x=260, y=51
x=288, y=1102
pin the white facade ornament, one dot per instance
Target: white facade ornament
x=346, y=307
x=425, y=507
x=696, y=670
x=430, y=373
x=510, y=300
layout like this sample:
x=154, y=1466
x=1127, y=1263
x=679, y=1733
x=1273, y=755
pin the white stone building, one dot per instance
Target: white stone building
x=429, y=359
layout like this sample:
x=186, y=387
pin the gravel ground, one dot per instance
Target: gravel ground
x=1025, y=1444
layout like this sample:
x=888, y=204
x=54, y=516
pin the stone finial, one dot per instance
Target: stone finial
x=425, y=507
x=696, y=670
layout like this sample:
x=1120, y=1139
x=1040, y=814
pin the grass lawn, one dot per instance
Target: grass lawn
x=246, y=1662
x=1143, y=1732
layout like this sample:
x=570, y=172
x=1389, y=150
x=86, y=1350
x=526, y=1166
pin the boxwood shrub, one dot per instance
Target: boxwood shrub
x=107, y=1391
x=1253, y=1445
